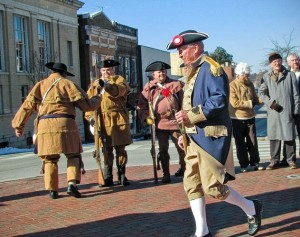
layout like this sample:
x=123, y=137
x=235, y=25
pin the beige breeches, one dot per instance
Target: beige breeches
x=51, y=170
x=203, y=174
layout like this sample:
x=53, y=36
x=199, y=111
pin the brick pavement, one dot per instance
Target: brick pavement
x=145, y=209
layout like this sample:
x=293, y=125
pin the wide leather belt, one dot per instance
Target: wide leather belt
x=47, y=116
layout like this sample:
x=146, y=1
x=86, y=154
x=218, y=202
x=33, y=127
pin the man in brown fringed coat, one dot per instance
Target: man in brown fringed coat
x=57, y=130
x=113, y=120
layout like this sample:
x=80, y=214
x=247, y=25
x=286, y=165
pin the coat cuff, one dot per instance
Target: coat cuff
x=196, y=115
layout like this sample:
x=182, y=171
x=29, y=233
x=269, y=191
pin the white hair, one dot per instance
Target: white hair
x=292, y=55
x=242, y=68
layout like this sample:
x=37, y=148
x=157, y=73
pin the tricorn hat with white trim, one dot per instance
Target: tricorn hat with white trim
x=186, y=37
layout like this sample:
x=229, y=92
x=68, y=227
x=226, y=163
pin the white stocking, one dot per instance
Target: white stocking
x=236, y=199
x=72, y=183
x=199, y=212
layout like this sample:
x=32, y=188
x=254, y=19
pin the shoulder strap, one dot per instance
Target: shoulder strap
x=44, y=96
x=215, y=67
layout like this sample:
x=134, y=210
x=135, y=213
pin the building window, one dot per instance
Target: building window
x=1, y=100
x=127, y=69
x=21, y=41
x=43, y=44
x=1, y=44
x=133, y=79
x=70, y=53
x=104, y=57
x=95, y=58
x=121, y=67
x=25, y=91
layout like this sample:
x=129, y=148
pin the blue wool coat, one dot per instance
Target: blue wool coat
x=212, y=93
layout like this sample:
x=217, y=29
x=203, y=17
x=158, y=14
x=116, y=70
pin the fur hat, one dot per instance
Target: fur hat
x=273, y=56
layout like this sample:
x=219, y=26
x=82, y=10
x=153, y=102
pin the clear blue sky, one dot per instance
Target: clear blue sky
x=244, y=28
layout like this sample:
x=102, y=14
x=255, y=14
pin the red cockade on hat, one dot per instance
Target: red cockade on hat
x=177, y=40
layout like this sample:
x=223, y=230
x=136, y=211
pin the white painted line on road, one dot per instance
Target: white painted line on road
x=128, y=148
x=133, y=147
x=261, y=116
x=16, y=156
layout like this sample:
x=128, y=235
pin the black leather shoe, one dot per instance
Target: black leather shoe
x=53, y=194
x=179, y=172
x=73, y=191
x=166, y=179
x=283, y=163
x=124, y=181
x=254, y=222
x=208, y=235
x=257, y=166
x=272, y=166
x=107, y=183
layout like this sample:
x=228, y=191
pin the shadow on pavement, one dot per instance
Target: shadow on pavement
x=144, y=208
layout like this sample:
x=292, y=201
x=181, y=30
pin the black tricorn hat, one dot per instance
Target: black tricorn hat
x=59, y=67
x=107, y=63
x=157, y=66
x=186, y=37
x=273, y=56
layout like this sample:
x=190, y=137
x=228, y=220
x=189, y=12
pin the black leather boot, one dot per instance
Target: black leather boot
x=180, y=171
x=53, y=194
x=165, y=163
x=122, y=180
x=108, y=177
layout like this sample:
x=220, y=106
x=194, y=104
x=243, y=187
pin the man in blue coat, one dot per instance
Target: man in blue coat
x=205, y=115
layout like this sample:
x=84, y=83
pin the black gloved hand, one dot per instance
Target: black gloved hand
x=92, y=122
x=266, y=92
x=276, y=107
x=100, y=83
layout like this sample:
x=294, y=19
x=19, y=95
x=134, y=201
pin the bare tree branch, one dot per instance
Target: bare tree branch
x=36, y=70
x=283, y=49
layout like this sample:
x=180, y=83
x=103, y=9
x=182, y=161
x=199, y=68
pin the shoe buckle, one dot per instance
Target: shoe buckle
x=251, y=220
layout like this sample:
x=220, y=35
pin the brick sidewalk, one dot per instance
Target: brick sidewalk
x=145, y=209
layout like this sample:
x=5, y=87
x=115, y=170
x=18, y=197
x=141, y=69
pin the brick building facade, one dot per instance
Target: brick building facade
x=99, y=37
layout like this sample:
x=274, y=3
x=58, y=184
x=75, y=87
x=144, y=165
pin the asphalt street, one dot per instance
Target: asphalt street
x=27, y=165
